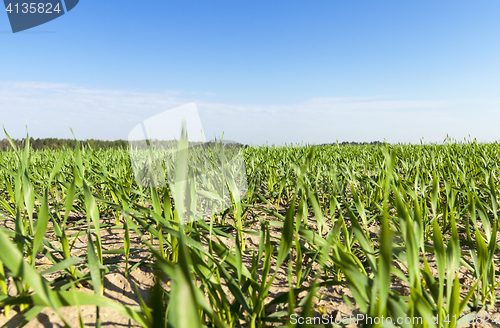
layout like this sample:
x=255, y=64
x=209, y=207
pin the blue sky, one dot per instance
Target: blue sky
x=259, y=71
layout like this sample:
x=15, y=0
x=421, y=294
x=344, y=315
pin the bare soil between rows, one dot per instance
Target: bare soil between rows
x=121, y=289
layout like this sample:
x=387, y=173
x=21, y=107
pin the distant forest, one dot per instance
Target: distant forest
x=54, y=143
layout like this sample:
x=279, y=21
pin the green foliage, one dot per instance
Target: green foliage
x=328, y=215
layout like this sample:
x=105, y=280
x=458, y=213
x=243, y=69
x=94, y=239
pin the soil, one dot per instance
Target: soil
x=330, y=300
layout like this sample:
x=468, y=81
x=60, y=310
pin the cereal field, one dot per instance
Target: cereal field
x=322, y=233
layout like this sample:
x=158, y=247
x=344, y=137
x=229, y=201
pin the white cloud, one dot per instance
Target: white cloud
x=49, y=110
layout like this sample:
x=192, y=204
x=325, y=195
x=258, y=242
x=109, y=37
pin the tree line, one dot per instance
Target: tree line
x=55, y=143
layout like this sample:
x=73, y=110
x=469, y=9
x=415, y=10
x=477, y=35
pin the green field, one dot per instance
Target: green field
x=399, y=231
